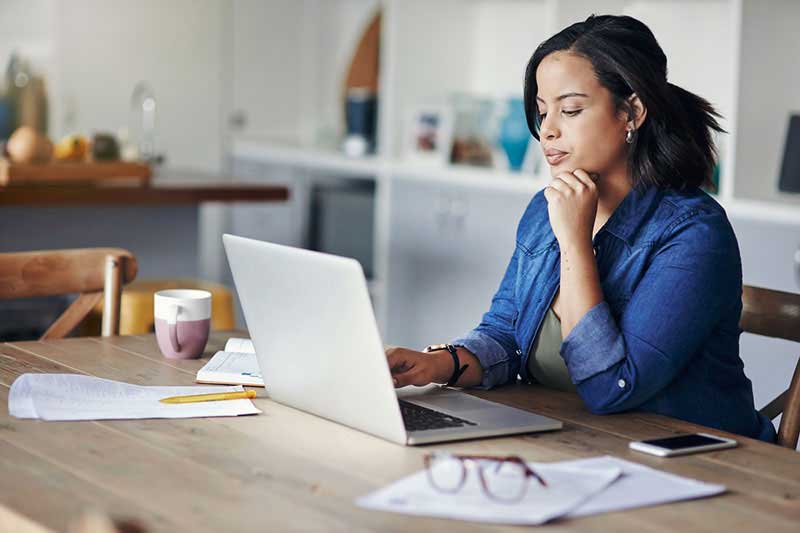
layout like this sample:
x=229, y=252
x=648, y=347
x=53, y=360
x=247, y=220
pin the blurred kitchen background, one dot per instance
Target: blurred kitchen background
x=396, y=125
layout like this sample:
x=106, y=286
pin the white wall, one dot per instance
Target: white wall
x=266, y=58
x=93, y=52
x=102, y=48
x=289, y=61
x=504, y=40
x=768, y=93
x=696, y=37
x=27, y=26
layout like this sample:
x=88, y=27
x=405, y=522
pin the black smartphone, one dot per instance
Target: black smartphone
x=682, y=444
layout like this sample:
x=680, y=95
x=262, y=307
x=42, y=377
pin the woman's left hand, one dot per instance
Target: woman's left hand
x=572, y=206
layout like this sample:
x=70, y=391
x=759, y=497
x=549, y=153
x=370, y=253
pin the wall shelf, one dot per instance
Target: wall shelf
x=333, y=164
x=307, y=158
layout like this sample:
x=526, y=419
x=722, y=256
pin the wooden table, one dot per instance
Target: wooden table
x=288, y=470
x=151, y=195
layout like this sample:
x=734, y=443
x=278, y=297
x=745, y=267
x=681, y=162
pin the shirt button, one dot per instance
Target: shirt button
x=621, y=383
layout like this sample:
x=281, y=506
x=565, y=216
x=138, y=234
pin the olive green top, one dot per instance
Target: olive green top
x=545, y=363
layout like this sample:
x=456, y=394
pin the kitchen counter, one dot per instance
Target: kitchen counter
x=171, y=188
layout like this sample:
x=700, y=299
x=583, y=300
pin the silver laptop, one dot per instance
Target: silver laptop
x=311, y=320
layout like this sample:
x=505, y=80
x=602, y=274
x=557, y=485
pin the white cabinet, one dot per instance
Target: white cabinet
x=448, y=250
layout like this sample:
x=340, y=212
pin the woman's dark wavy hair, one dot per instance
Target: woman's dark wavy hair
x=673, y=148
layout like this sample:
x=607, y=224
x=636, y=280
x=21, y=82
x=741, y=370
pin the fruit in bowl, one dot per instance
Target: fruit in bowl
x=26, y=145
x=73, y=148
x=105, y=147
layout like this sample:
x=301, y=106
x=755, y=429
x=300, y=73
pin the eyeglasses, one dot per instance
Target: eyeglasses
x=503, y=479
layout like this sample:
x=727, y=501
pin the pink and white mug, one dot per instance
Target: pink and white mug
x=183, y=320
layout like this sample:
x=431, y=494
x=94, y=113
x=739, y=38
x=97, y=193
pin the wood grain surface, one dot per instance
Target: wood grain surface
x=15, y=174
x=54, y=195
x=287, y=470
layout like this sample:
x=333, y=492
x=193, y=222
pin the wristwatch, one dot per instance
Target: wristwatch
x=457, y=371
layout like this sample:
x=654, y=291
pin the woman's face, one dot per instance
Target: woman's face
x=580, y=127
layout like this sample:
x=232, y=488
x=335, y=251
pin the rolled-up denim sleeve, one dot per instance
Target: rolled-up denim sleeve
x=580, y=349
x=493, y=342
x=692, y=280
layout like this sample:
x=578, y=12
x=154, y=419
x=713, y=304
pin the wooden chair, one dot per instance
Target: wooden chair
x=777, y=314
x=93, y=273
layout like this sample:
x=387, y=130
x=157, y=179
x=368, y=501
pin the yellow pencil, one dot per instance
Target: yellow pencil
x=211, y=397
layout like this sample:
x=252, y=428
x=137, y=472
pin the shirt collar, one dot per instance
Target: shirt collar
x=634, y=209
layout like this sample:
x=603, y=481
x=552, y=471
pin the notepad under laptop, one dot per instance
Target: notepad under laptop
x=236, y=364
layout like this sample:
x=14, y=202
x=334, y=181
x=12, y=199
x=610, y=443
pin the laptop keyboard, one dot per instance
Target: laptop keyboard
x=418, y=418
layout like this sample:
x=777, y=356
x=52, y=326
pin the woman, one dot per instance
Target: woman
x=625, y=284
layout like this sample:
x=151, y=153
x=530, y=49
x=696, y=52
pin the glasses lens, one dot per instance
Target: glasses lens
x=445, y=472
x=505, y=480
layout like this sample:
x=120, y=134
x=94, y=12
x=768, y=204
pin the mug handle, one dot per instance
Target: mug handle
x=172, y=325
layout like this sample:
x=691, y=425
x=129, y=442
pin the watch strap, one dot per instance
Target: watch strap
x=457, y=369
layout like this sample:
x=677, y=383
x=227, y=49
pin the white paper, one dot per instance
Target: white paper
x=567, y=488
x=20, y=399
x=573, y=493
x=78, y=397
x=239, y=345
x=231, y=367
x=640, y=486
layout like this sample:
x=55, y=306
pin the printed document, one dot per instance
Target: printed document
x=575, y=488
x=567, y=488
x=79, y=397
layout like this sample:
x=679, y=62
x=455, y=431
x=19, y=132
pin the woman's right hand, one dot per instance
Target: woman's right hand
x=410, y=367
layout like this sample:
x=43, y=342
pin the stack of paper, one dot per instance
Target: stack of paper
x=78, y=397
x=575, y=488
x=640, y=486
x=567, y=488
x=231, y=368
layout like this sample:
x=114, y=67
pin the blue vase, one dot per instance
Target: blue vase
x=6, y=119
x=514, y=134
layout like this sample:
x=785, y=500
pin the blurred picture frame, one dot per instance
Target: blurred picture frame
x=789, y=179
x=429, y=135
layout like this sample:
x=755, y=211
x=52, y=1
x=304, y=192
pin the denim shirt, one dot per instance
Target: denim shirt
x=665, y=339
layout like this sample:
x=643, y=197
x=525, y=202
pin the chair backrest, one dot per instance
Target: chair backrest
x=777, y=314
x=92, y=273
